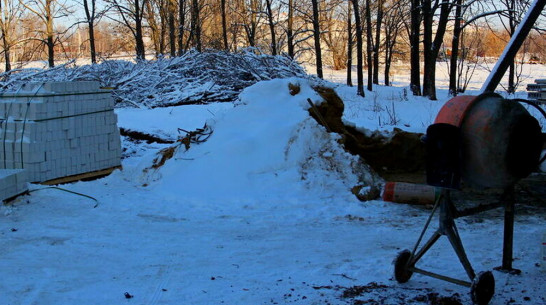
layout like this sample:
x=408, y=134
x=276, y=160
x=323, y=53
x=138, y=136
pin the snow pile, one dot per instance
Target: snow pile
x=189, y=79
x=267, y=145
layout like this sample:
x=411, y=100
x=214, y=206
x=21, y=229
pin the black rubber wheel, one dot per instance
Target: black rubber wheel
x=483, y=288
x=401, y=272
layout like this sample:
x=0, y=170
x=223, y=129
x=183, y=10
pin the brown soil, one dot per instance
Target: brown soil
x=398, y=154
x=141, y=136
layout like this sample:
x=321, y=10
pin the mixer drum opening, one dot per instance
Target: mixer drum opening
x=524, y=150
x=501, y=141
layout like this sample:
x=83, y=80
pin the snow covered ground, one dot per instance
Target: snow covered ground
x=260, y=213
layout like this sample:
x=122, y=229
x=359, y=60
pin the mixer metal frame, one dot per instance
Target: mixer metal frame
x=448, y=228
x=482, y=285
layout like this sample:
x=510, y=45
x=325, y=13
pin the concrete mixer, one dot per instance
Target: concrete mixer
x=484, y=141
x=501, y=141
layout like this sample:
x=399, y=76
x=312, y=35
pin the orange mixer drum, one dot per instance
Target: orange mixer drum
x=501, y=141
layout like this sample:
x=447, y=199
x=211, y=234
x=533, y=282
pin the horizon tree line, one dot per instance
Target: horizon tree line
x=330, y=32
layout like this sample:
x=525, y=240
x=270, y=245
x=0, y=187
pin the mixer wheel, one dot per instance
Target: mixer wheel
x=483, y=288
x=401, y=272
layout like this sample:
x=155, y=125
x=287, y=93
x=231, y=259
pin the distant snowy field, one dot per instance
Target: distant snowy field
x=261, y=213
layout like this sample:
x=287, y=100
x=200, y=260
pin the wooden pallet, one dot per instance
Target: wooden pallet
x=83, y=176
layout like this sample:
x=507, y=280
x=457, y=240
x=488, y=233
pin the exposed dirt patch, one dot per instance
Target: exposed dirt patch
x=141, y=136
x=376, y=293
x=399, y=153
x=400, y=156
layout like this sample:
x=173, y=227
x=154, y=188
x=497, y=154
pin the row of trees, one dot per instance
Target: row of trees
x=376, y=32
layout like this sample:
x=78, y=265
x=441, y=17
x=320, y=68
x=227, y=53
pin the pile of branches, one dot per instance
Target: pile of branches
x=194, y=78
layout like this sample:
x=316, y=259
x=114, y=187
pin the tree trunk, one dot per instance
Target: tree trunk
x=7, y=59
x=388, y=69
x=154, y=28
x=181, y=24
x=369, y=45
x=172, y=28
x=431, y=53
x=316, y=34
x=512, y=67
x=359, y=50
x=391, y=34
x=377, y=42
x=224, y=25
x=90, y=15
x=271, y=27
x=92, y=47
x=139, y=38
x=163, y=18
x=50, y=42
x=251, y=25
x=453, y=88
x=427, y=46
x=290, y=29
x=415, y=65
x=196, y=26
x=349, y=45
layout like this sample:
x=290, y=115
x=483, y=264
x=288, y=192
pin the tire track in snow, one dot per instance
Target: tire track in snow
x=164, y=274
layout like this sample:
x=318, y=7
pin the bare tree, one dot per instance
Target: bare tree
x=457, y=31
x=464, y=16
x=131, y=13
x=172, y=27
x=47, y=11
x=91, y=17
x=195, y=31
x=271, y=23
x=350, y=44
x=224, y=24
x=155, y=17
x=181, y=26
x=290, y=29
x=316, y=35
x=511, y=12
x=377, y=42
x=369, y=45
x=334, y=33
x=415, y=63
x=296, y=27
x=249, y=18
x=431, y=47
x=394, y=21
x=11, y=12
x=359, y=49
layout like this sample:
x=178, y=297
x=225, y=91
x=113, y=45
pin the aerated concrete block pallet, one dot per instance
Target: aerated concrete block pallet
x=537, y=91
x=58, y=129
x=12, y=182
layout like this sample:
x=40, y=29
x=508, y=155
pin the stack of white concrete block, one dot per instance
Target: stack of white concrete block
x=12, y=182
x=537, y=91
x=58, y=129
